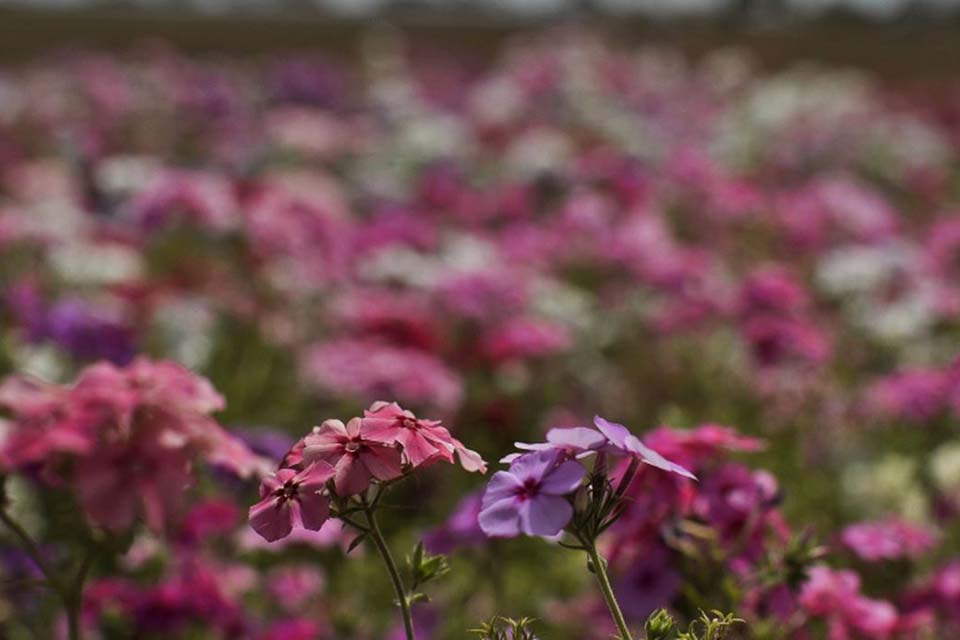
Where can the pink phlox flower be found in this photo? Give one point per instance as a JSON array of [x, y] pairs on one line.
[[356, 458], [423, 441], [835, 595], [889, 539], [291, 500]]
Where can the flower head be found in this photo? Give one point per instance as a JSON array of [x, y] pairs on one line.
[[530, 497], [422, 441], [622, 441], [292, 500], [356, 458]]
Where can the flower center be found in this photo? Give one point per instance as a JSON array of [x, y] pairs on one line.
[[409, 423], [289, 490], [352, 447], [529, 490]]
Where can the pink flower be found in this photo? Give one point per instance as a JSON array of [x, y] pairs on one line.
[[835, 595], [522, 338], [209, 519], [915, 394], [369, 368], [776, 341], [331, 534], [295, 629], [294, 586], [772, 289], [292, 500], [120, 481], [888, 540], [423, 441], [132, 432], [42, 426], [356, 458]]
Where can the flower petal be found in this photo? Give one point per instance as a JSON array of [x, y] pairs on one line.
[[500, 519], [271, 519], [383, 462], [418, 449], [654, 459], [535, 465], [352, 476], [314, 510], [544, 515], [563, 480], [577, 438], [314, 477], [615, 433], [503, 484]]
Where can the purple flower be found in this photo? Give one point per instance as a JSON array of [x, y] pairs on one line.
[[575, 442], [82, 329], [651, 582], [530, 498], [621, 440], [460, 529]]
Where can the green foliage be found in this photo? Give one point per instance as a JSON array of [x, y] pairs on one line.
[[713, 626], [660, 625], [501, 628], [424, 567]]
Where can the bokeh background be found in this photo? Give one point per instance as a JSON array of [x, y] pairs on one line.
[[511, 216]]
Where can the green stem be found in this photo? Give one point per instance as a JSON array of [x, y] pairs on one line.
[[600, 569], [30, 548], [398, 587], [71, 594]]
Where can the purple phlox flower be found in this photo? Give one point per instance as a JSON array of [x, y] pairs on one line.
[[574, 442], [530, 497], [622, 441]]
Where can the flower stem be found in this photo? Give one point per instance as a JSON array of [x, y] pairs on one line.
[[600, 569], [70, 594], [384, 550]]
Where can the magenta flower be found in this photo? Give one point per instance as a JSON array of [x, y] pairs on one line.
[[356, 458], [835, 596], [530, 497], [622, 441], [890, 539], [292, 500]]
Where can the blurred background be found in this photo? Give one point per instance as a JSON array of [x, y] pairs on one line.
[[908, 38], [510, 215]]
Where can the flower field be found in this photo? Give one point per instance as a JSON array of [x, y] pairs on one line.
[[577, 342]]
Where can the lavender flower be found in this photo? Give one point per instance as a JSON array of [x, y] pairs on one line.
[[530, 497]]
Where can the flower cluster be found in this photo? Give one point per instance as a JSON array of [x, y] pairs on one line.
[[530, 497], [124, 438], [387, 443]]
